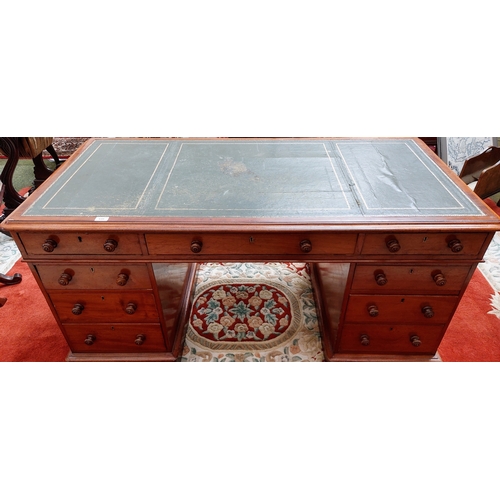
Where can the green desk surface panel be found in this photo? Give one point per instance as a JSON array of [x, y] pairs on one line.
[[313, 179]]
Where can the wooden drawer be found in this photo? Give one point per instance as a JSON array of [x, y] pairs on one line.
[[87, 276], [419, 279], [283, 244], [117, 338], [105, 307], [423, 244], [81, 244], [391, 339], [400, 309]]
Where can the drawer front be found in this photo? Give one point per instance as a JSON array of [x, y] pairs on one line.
[[419, 279], [115, 338], [252, 244], [426, 309], [81, 244], [384, 339], [85, 276], [423, 244], [104, 307]]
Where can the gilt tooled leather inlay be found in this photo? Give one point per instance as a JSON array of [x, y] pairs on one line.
[[258, 178]]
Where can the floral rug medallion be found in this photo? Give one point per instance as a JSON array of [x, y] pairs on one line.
[[242, 312], [253, 312]]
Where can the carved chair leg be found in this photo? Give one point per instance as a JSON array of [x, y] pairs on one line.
[[53, 153], [40, 170], [11, 280], [11, 197]]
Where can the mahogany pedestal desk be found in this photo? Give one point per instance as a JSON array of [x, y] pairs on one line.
[[392, 237]]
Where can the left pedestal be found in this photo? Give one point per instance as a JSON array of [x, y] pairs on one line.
[[119, 309]]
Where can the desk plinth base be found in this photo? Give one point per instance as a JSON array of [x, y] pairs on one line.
[[132, 357], [382, 358]]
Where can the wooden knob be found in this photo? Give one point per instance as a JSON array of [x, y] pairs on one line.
[[139, 340], [373, 310], [122, 279], [90, 339], [427, 311], [455, 245], [196, 246], [415, 340], [439, 278], [364, 339], [393, 245], [77, 309], [380, 278], [49, 245], [306, 246], [131, 308], [110, 245], [64, 279]]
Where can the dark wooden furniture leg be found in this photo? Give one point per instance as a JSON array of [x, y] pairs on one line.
[[50, 149], [11, 280], [11, 197], [42, 173], [12, 147]]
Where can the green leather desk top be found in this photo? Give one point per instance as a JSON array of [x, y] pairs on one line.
[[252, 178]]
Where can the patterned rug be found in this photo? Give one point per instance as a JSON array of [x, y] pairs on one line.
[[491, 265], [9, 253], [66, 146], [253, 312]]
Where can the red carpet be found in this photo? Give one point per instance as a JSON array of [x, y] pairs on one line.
[[473, 335], [28, 332]]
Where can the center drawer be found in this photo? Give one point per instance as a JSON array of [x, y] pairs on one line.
[[283, 244], [400, 308], [105, 307]]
